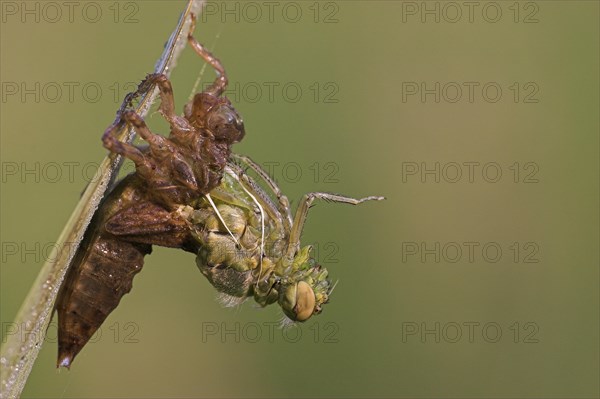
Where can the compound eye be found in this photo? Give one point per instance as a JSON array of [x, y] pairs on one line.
[[226, 124], [297, 301], [305, 301]]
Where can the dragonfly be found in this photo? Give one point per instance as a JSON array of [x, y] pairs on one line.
[[253, 248], [190, 191]]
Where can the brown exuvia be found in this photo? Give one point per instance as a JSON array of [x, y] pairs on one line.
[[141, 210]]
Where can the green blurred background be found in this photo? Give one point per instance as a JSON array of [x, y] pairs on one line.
[[372, 339]]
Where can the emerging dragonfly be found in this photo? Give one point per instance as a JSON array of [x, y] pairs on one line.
[[253, 248], [246, 243], [141, 210]]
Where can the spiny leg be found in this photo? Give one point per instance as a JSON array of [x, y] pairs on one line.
[[156, 141], [126, 150], [302, 213], [220, 84], [257, 193], [167, 103], [284, 203]]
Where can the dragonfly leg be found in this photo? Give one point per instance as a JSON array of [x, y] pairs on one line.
[[167, 103], [143, 161], [220, 83], [127, 150], [156, 141], [302, 213], [257, 193], [284, 203]]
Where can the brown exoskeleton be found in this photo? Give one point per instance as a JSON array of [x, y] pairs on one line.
[[141, 210]]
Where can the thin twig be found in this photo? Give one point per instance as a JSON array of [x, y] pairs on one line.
[[17, 355]]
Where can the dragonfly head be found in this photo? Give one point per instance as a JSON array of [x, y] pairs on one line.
[[304, 289], [297, 301]]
